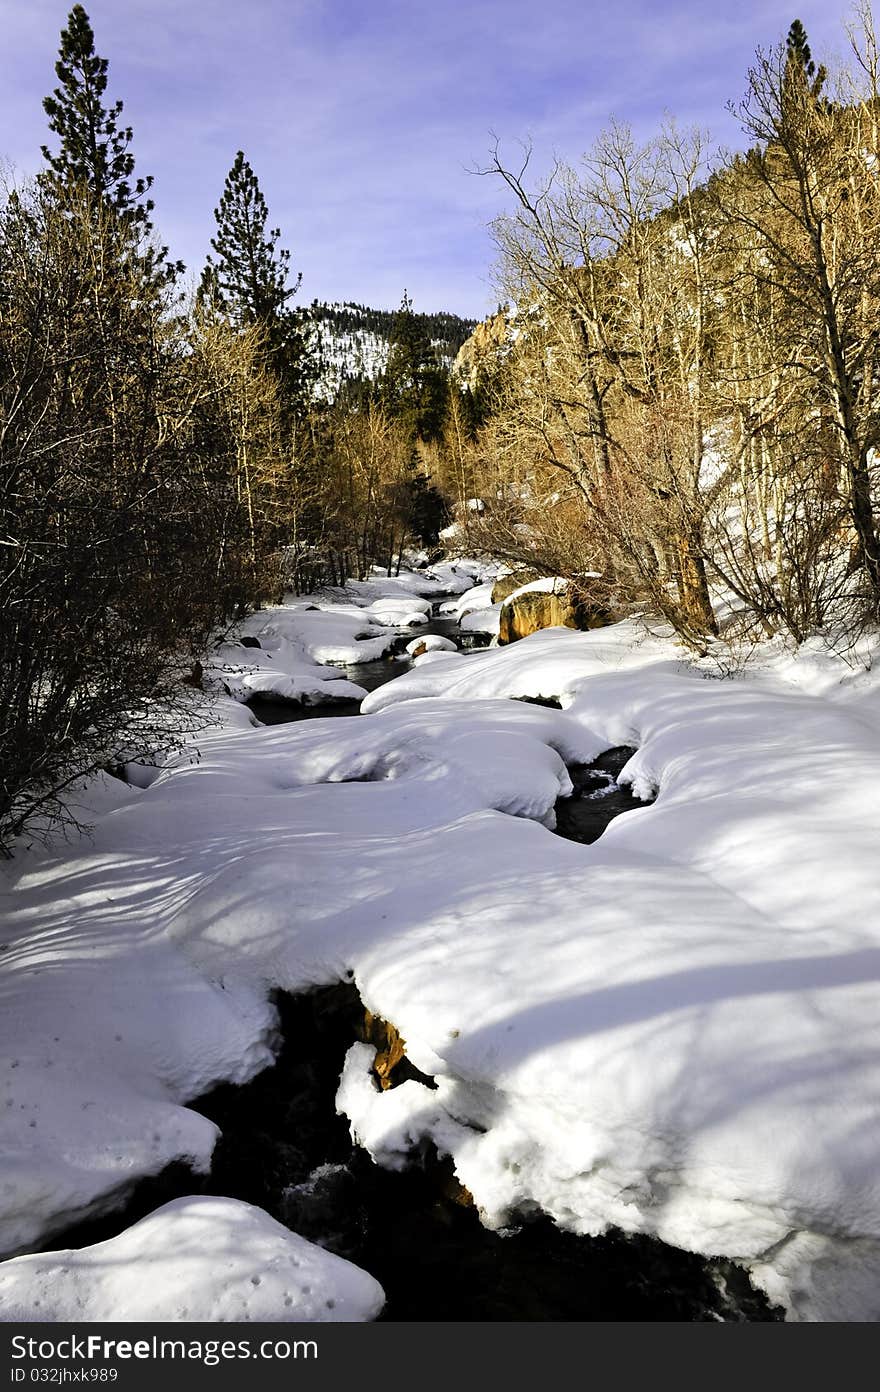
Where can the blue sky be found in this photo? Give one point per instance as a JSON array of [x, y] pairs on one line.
[[361, 118]]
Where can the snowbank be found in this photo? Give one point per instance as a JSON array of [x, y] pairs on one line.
[[196, 1259], [434, 655], [431, 582], [553, 665], [136, 973]]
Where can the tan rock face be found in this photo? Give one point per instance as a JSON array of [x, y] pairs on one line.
[[508, 583], [537, 609], [390, 1048], [482, 348]]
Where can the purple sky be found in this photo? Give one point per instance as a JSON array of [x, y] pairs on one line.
[[362, 117]]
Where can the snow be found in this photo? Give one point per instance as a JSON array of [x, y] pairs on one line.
[[402, 618], [207, 1259], [431, 582], [675, 1030], [486, 620], [346, 355], [301, 690], [358, 352], [301, 639], [553, 665], [407, 611], [548, 584], [475, 598], [390, 1124], [473, 755], [281, 667], [407, 604], [336, 634], [434, 655]]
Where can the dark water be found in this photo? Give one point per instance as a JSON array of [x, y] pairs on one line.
[[271, 712], [597, 799]]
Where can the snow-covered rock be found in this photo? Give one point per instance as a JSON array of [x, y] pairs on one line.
[[476, 598], [280, 667], [406, 604], [401, 618], [482, 620], [345, 635], [195, 1259], [431, 642]]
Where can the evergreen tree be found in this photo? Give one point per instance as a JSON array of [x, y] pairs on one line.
[[425, 507], [798, 49], [414, 386], [248, 276], [94, 151], [799, 60]]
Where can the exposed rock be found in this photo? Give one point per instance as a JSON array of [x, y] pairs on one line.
[[391, 1065], [389, 1046], [452, 1189], [537, 609], [486, 347], [506, 584]]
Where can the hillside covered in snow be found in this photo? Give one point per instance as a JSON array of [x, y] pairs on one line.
[[351, 342]]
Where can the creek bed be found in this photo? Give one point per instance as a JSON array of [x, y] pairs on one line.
[[284, 1148]]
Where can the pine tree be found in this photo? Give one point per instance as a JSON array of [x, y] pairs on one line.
[[799, 60], [414, 386], [798, 48], [94, 151], [248, 277]]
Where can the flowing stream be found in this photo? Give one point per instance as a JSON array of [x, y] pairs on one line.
[[369, 675]]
